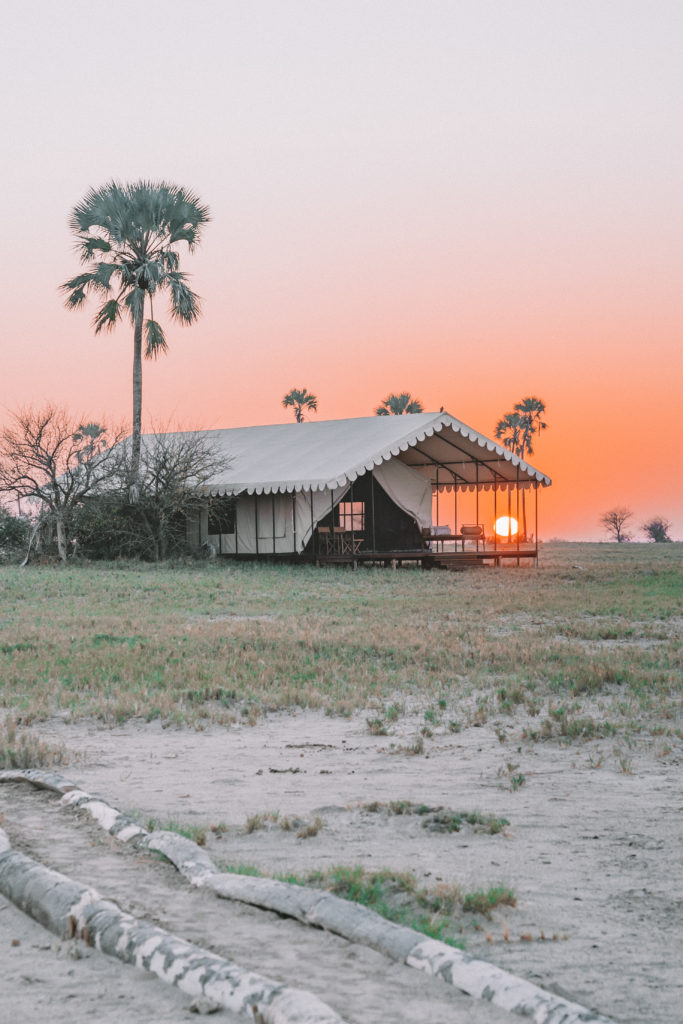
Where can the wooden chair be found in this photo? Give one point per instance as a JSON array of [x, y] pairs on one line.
[[325, 541]]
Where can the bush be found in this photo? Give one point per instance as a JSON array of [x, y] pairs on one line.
[[14, 534], [657, 529], [109, 527]]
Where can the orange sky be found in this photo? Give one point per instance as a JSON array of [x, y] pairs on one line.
[[466, 201]]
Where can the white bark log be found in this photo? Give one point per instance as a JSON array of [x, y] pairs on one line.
[[351, 921], [69, 909]]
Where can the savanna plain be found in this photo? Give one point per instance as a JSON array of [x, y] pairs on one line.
[[491, 756]]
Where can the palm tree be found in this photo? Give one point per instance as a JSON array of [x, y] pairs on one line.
[[509, 431], [398, 405], [516, 430], [530, 410], [300, 399], [127, 236]]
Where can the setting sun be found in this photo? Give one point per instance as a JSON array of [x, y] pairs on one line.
[[506, 526]]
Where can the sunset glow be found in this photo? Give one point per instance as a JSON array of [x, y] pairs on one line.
[[506, 526], [472, 202]]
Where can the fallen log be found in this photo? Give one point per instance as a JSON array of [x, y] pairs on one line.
[[352, 921], [71, 910]]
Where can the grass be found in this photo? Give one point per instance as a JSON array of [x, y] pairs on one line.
[[595, 625], [303, 828], [196, 833], [439, 912], [440, 819], [20, 748]]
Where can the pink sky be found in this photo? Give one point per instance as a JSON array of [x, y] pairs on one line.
[[472, 201]]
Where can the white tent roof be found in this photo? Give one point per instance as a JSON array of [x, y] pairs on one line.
[[332, 453]]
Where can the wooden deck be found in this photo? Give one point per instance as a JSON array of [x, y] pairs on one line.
[[453, 560]]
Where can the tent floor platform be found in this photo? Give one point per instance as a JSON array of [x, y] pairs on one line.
[[435, 559], [453, 560]]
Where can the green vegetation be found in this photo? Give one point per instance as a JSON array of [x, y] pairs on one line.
[[595, 631], [438, 912], [440, 819], [196, 833], [483, 901]]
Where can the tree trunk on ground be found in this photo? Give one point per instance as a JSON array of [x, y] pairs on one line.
[[321, 909], [73, 911], [134, 482]]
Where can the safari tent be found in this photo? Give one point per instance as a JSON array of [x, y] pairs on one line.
[[418, 487]]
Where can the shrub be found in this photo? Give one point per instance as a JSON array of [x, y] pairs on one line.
[[14, 534], [657, 529]]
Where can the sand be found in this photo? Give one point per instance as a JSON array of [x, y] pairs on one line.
[[592, 851]]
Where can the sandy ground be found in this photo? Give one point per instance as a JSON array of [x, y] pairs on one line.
[[593, 853]]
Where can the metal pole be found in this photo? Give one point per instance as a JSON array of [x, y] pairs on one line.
[[517, 497], [510, 515], [536, 520], [313, 546], [294, 519], [353, 532], [256, 519], [272, 508], [476, 506], [372, 508], [495, 515], [437, 495], [455, 510], [235, 515]]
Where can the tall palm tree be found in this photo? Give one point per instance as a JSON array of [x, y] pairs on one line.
[[127, 237], [300, 399], [509, 431], [530, 410], [516, 430], [398, 405]]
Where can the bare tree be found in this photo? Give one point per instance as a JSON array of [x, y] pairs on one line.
[[56, 462], [615, 521], [174, 469], [657, 529]]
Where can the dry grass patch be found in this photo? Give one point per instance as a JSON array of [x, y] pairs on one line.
[[20, 748], [112, 642]]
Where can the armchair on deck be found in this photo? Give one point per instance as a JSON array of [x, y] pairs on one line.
[[473, 532]]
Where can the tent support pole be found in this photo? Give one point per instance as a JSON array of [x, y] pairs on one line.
[[437, 495], [495, 517], [256, 519], [536, 522], [372, 508], [294, 519], [272, 509], [313, 545], [235, 500], [517, 499], [353, 533], [476, 505]]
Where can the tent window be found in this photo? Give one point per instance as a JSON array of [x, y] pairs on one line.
[[352, 515], [221, 516]]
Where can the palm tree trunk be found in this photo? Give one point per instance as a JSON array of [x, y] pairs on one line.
[[134, 481]]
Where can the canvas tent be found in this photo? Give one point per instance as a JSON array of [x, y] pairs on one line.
[[285, 480]]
